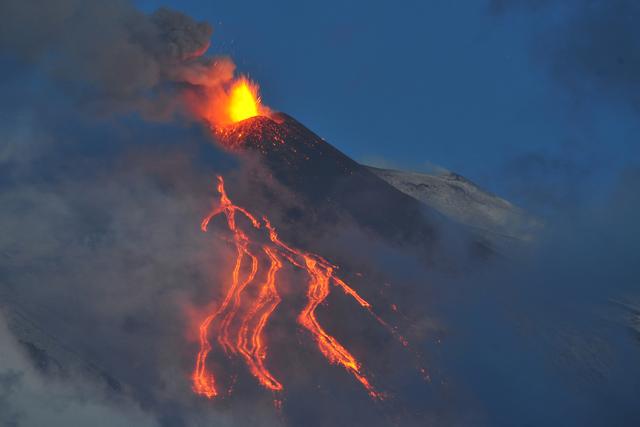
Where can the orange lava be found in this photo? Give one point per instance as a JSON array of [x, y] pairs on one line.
[[254, 349], [230, 102], [244, 101], [248, 340]]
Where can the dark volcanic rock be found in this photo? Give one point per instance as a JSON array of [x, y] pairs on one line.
[[327, 181]]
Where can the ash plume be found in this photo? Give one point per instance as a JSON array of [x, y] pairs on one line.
[[110, 56]]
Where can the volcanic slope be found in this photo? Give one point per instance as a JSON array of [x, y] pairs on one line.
[[327, 182], [492, 217]]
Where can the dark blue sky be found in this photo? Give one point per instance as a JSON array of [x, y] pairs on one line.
[[412, 82]]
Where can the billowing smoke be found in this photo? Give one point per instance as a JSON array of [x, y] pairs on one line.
[[58, 402], [111, 57]]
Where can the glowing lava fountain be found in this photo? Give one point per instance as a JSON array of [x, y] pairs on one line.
[[231, 102], [244, 101], [247, 340]]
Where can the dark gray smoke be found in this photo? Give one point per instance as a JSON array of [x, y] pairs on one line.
[[109, 55], [29, 399]]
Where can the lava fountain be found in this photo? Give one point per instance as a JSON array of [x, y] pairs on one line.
[[231, 102], [244, 101]]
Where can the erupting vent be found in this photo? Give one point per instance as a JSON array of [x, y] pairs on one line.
[[244, 101], [221, 104]]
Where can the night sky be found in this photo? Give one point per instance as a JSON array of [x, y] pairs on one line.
[[486, 90]]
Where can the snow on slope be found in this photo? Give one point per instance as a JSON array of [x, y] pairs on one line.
[[461, 200]]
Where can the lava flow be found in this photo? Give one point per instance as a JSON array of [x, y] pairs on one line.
[[247, 340]]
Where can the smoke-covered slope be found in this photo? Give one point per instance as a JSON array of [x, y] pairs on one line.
[[329, 184], [463, 201]]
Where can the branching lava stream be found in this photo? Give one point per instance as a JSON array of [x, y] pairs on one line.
[[248, 341]]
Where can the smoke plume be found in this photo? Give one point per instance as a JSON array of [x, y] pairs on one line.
[[111, 57]]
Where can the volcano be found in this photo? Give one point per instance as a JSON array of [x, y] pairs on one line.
[[328, 183], [281, 333], [308, 348], [326, 186]]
